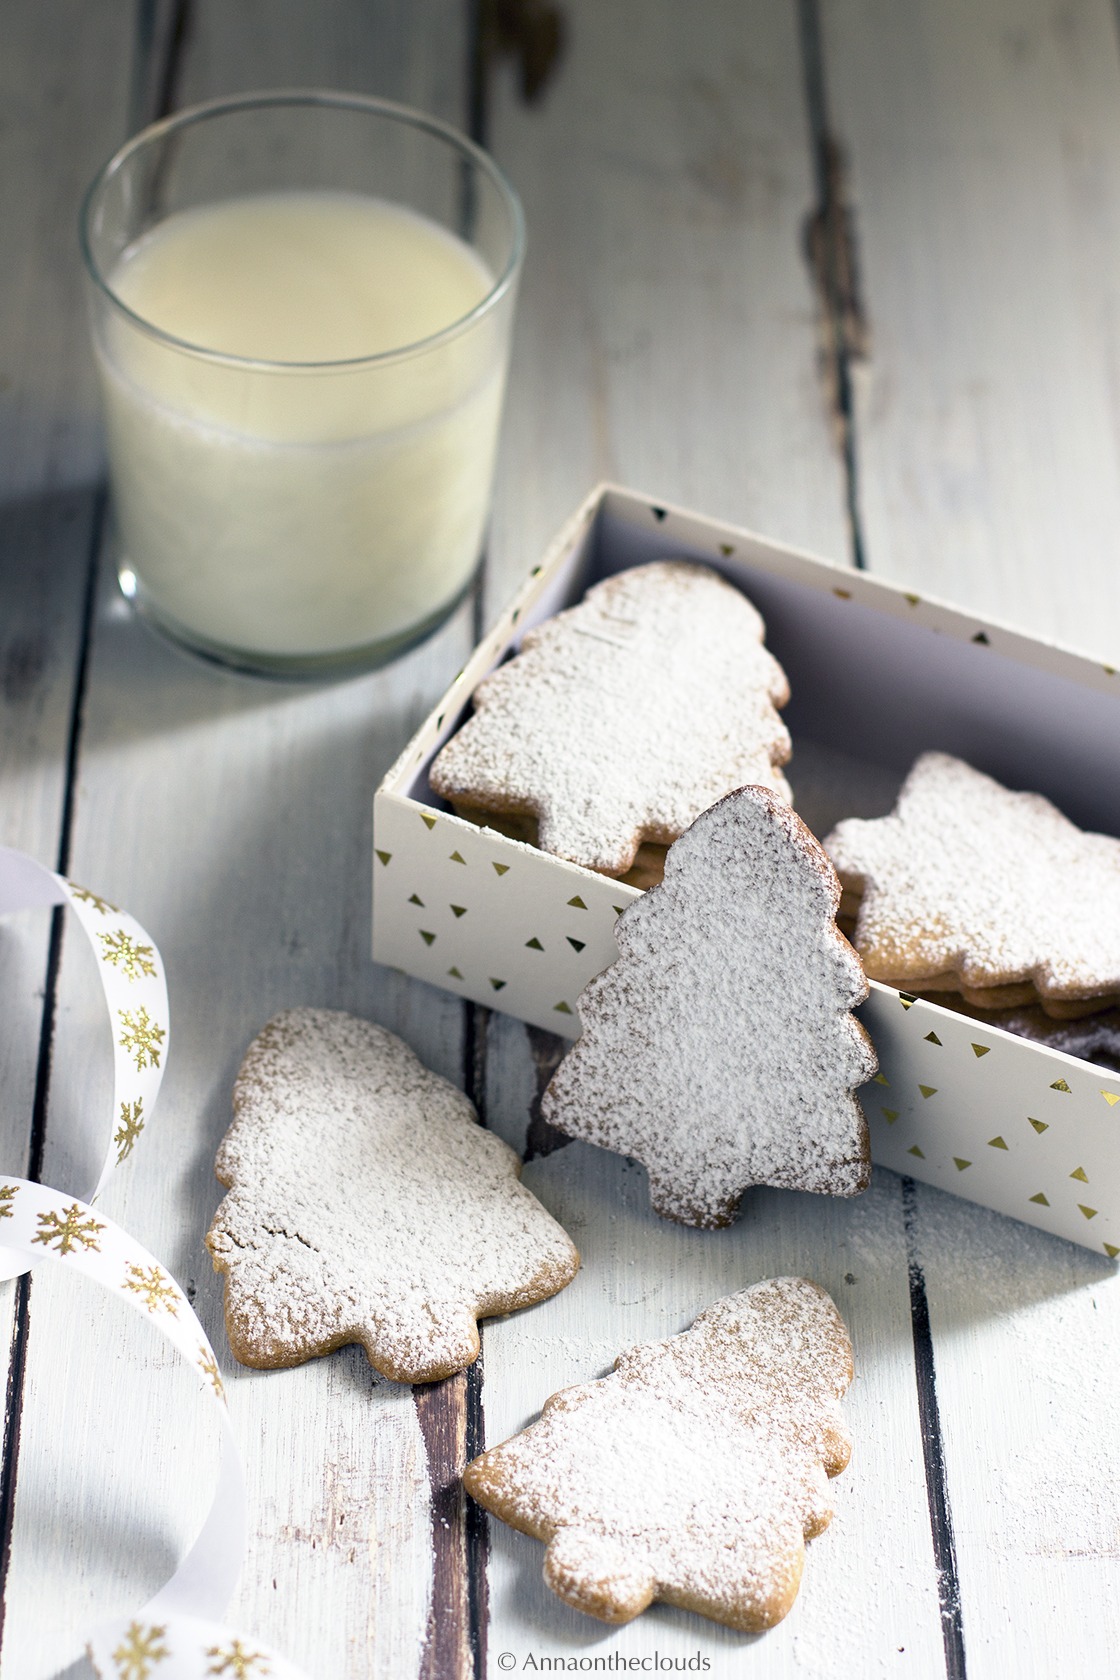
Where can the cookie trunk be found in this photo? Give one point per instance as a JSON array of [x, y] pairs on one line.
[[594, 1574]]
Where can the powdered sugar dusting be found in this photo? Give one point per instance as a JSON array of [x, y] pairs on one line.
[[967, 882], [367, 1205], [696, 1470], [720, 1049], [625, 717]]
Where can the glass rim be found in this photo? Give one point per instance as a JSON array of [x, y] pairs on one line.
[[388, 108]]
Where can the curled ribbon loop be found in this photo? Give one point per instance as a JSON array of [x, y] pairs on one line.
[[131, 973], [177, 1635]]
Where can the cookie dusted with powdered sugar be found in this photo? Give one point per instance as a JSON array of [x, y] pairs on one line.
[[694, 1473], [967, 887], [720, 1049], [623, 718], [366, 1204]]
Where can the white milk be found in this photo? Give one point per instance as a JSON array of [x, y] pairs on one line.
[[301, 510]]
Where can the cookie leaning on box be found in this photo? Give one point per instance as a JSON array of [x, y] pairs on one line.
[[719, 1049], [696, 1471], [967, 887], [366, 1204], [622, 719]]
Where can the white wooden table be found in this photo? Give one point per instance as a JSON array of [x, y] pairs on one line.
[[950, 417]]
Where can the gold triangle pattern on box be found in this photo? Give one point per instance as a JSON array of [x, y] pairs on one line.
[[952, 1088], [478, 924]]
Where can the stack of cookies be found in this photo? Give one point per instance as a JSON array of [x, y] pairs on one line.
[[971, 894]]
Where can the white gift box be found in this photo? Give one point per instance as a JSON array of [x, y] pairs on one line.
[[877, 675]]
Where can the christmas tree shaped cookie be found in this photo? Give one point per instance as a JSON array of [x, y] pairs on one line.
[[696, 1471], [624, 718], [720, 1049], [367, 1205], [970, 888]]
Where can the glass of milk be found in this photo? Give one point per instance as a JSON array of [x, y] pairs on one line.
[[301, 307]]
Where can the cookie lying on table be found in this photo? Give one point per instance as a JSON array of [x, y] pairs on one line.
[[366, 1204], [622, 719], [696, 1471], [967, 887], [720, 1049]]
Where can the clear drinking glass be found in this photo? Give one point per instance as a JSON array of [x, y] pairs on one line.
[[308, 493]]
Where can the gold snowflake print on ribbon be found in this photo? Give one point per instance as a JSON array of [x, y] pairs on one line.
[[124, 953], [7, 1191], [160, 1294], [208, 1365], [139, 1651], [132, 1124], [236, 1661], [100, 904], [143, 1036], [67, 1229]]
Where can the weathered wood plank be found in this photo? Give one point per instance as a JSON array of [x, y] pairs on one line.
[[414, 53], [1026, 1334], [60, 121], [668, 338], [59, 125], [984, 148], [667, 335], [234, 819], [983, 145]]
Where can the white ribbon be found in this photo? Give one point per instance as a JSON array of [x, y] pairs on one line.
[[132, 979], [176, 1636]]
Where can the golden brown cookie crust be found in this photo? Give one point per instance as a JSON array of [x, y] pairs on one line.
[[971, 888], [624, 717], [367, 1205], [740, 1414]]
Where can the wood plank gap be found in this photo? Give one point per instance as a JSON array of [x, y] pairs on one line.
[[441, 1409], [475, 1032], [477, 1530], [479, 52], [532, 32], [13, 1411], [21, 1328], [478, 59], [476, 1522], [831, 252], [477, 1525], [163, 29], [452, 1424], [933, 1450], [478, 604], [548, 1051]]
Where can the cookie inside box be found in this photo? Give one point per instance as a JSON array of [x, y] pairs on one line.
[[877, 675]]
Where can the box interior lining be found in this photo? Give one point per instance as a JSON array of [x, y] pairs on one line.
[[848, 666]]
